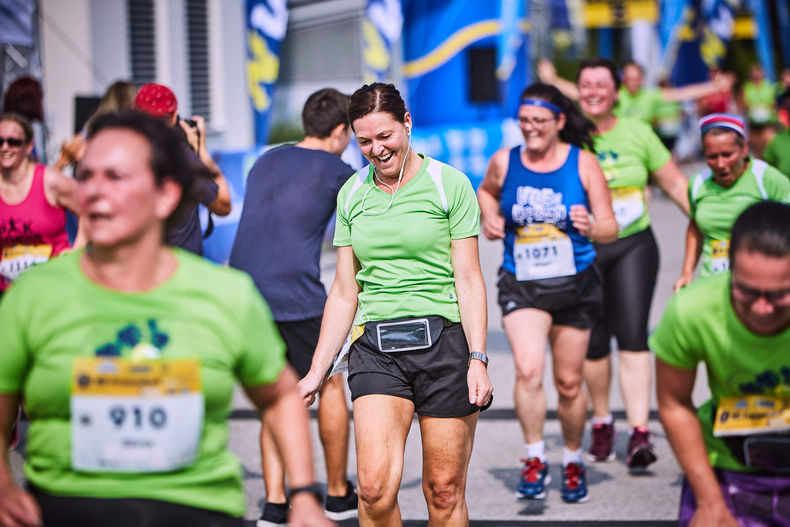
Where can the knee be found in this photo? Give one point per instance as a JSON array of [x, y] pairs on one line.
[[528, 377], [444, 496], [569, 387], [374, 495]]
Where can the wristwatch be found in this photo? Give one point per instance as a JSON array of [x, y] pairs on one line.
[[313, 489], [482, 357]]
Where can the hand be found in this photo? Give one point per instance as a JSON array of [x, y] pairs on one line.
[[719, 516], [477, 380], [307, 512], [18, 508], [193, 135], [309, 387], [684, 280], [581, 219], [73, 150], [494, 227], [546, 71]]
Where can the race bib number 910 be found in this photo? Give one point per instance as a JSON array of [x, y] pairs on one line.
[[135, 416]]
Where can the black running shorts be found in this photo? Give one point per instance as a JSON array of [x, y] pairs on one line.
[[574, 301], [301, 337], [434, 379]]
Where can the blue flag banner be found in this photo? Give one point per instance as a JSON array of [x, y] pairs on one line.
[[510, 41], [764, 40], [381, 28], [267, 21], [719, 22]]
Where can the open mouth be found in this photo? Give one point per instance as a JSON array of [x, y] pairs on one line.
[[385, 158]]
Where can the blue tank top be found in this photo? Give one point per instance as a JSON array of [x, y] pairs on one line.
[[536, 208]]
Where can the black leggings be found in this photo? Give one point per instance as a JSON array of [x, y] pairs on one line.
[[629, 267], [63, 511]]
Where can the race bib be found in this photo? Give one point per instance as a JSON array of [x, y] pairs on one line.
[[751, 414], [135, 416], [628, 204], [719, 256], [760, 114], [542, 251], [20, 258]]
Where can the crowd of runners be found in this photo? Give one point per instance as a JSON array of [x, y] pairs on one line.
[[123, 351]]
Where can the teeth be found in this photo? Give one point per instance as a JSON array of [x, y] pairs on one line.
[[384, 159]]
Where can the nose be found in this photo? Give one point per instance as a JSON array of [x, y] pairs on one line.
[[762, 307]]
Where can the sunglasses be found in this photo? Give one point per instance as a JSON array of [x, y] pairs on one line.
[[12, 141], [747, 295]]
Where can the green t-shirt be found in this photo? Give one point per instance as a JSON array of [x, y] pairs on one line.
[[404, 252], [668, 118], [641, 106], [760, 100], [715, 208], [778, 152], [54, 314], [628, 153], [700, 325]]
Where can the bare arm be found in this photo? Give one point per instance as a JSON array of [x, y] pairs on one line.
[[488, 194], [17, 507], [71, 152], [690, 259], [341, 305], [282, 406], [472, 304], [604, 226], [676, 410], [548, 75], [674, 184], [61, 191], [722, 82]]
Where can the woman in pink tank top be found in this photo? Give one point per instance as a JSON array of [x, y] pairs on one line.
[[33, 199]]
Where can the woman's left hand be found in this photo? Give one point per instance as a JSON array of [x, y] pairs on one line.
[[580, 218], [477, 380]]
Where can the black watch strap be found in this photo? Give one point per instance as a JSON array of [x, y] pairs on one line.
[[313, 489]]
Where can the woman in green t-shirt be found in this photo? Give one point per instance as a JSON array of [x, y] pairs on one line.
[[630, 154], [126, 356], [733, 181], [408, 267]]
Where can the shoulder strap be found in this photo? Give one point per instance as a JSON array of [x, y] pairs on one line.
[[435, 171], [758, 169], [359, 178]]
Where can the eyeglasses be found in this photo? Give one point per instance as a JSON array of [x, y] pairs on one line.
[[536, 122], [747, 295], [12, 141]]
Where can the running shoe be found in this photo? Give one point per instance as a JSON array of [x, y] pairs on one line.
[[339, 508], [534, 478], [574, 483], [602, 447], [274, 515], [640, 449]]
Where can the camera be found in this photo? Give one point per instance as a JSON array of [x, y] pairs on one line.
[[192, 124]]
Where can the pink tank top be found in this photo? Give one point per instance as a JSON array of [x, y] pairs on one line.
[[31, 232]]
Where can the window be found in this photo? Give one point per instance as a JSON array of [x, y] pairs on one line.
[[197, 59], [142, 40]]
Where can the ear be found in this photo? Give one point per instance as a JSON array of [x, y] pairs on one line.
[[168, 196], [407, 121], [561, 120]]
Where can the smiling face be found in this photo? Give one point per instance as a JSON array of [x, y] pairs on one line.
[[384, 141], [725, 156], [597, 92], [13, 156], [753, 275], [539, 126], [119, 198]]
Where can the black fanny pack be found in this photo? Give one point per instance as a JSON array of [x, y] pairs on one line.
[[405, 334], [764, 452]]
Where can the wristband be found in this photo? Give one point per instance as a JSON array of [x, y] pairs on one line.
[[482, 357], [313, 489]]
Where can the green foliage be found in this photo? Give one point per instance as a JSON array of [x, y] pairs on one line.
[[285, 132]]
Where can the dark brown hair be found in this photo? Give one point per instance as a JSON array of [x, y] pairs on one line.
[[323, 111], [600, 62], [376, 97]]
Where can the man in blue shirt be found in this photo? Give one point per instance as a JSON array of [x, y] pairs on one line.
[[290, 198]]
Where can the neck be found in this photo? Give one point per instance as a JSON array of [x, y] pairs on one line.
[[131, 268], [604, 123], [327, 144], [548, 156]]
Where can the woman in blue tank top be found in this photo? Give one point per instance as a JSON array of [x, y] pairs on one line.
[[538, 198]]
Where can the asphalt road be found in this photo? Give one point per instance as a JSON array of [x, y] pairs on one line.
[[617, 498]]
